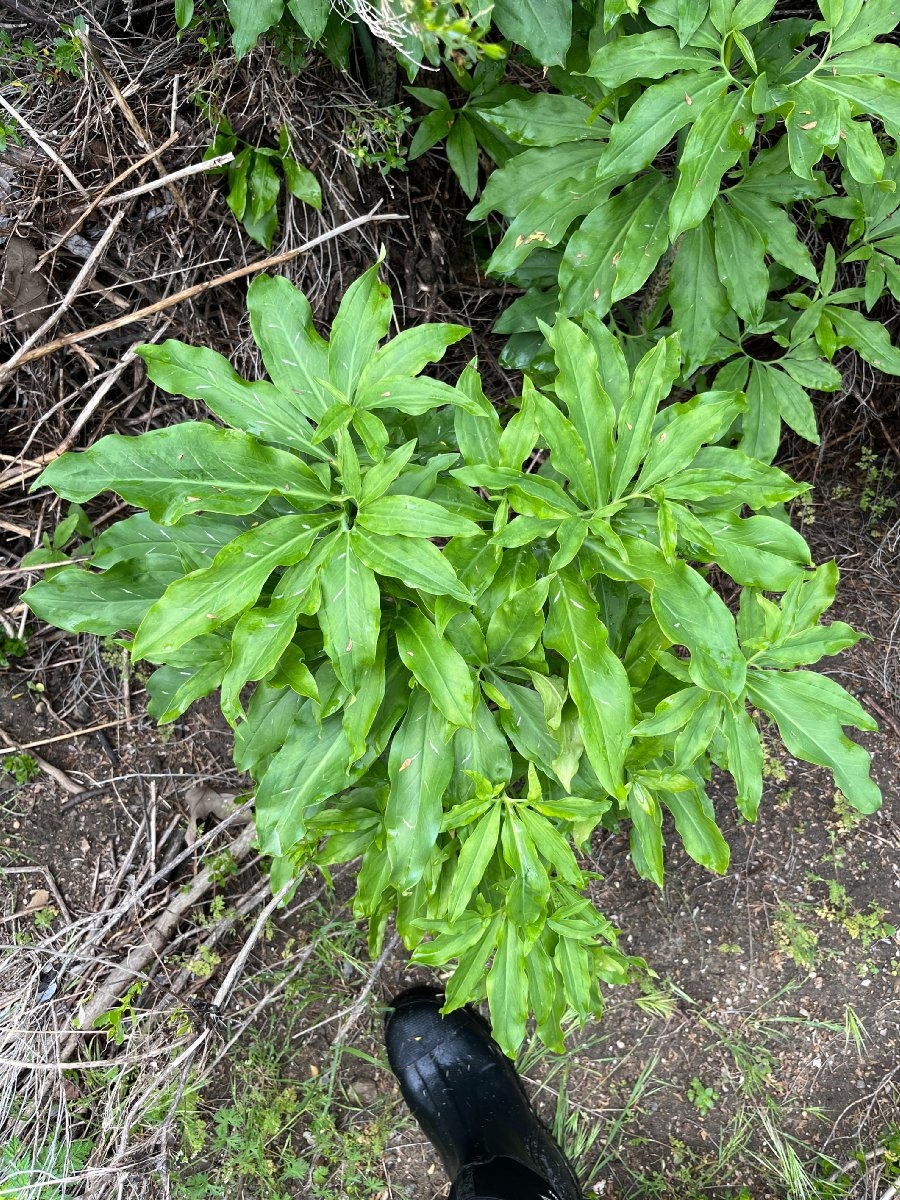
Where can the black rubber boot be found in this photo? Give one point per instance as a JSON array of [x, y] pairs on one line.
[[469, 1101]]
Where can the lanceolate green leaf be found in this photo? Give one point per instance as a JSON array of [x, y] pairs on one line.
[[691, 614], [543, 27], [193, 672], [410, 516], [646, 56], [436, 665], [654, 119], [698, 298], [295, 356], [740, 257], [312, 765], [199, 602], [695, 821], [868, 338], [721, 133], [590, 409], [186, 468], [618, 239], [350, 615], [101, 602], [477, 851], [360, 324], [597, 679], [809, 710], [259, 408], [413, 561], [420, 767], [653, 379]]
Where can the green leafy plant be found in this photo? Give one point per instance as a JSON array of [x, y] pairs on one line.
[[463, 129], [376, 140], [472, 640], [22, 767], [659, 190], [25, 1170], [703, 1098], [254, 182]]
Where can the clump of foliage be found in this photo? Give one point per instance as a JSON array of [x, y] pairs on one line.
[[660, 188], [254, 180], [454, 644]]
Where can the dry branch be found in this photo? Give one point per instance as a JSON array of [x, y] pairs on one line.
[[83, 335]]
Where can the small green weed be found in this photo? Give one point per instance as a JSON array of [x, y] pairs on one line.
[[878, 479], [254, 179], [376, 140], [22, 767], [10, 645], [797, 940], [703, 1098], [62, 56]]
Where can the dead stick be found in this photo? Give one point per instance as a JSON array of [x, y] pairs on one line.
[[79, 221], [73, 788], [47, 149], [194, 169], [156, 939], [75, 733], [81, 279], [83, 335]]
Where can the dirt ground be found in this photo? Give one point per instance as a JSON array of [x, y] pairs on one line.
[[772, 1027]]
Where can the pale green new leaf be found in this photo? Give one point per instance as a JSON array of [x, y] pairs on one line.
[[437, 666], [361, 322], [696, 824], [476, 852], [809, 710], [411, 516], [653, 379], [590, 409]]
